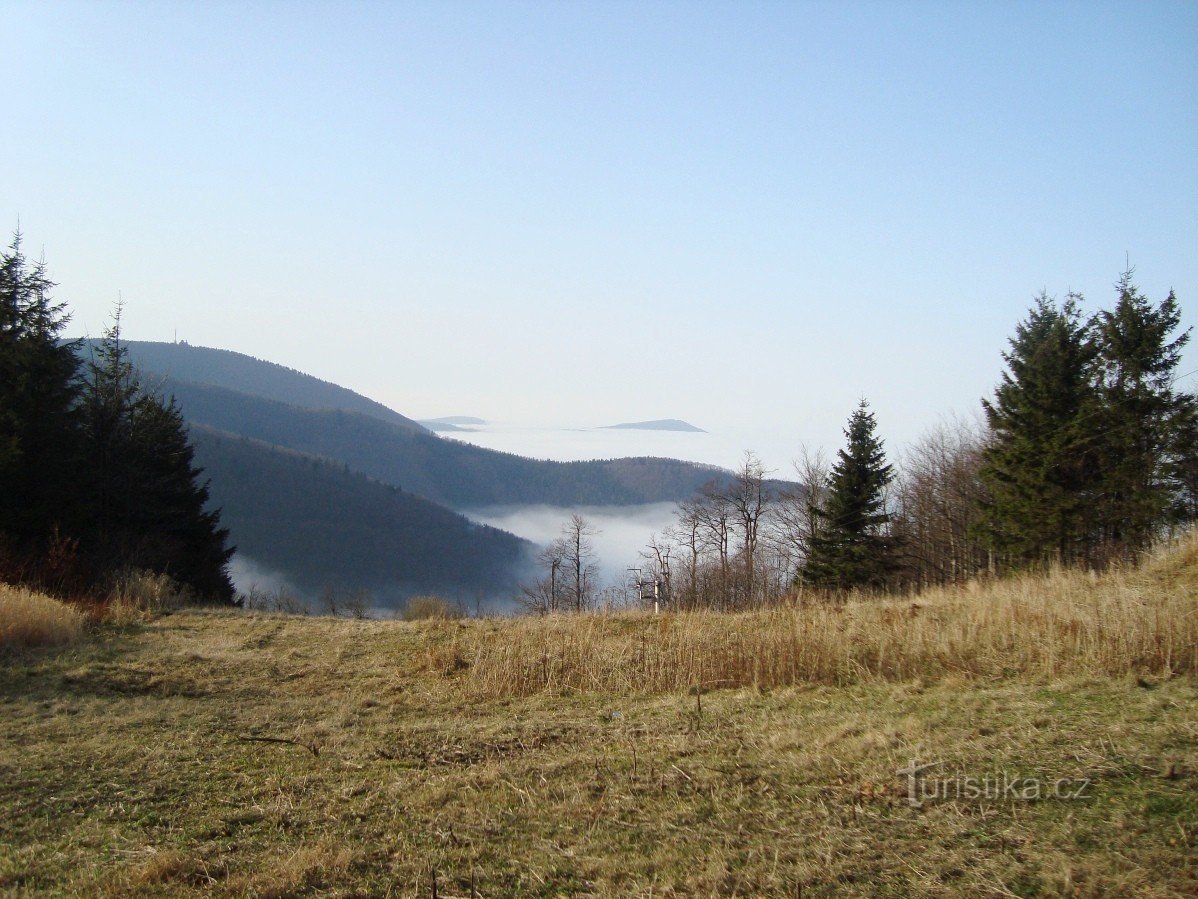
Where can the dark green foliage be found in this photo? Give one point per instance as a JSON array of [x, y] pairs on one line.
[[95, 473], [322, 524], [851, 547], [147, 509], [1147, 442], [38, 394], [1092, 452], [1184, 467], [1041, 466]]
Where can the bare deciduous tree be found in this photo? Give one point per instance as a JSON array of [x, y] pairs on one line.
[[716, 543], [688, 533], [657, 575], [544, 595], [715, 518], [570, 572], [578, 559], [795, 520], [747, 498], [938, 500]]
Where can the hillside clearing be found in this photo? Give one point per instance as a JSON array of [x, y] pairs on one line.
[[218, 753]]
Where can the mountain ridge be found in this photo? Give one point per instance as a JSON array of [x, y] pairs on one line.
[[241, 372], [450, 472], [320, 483]]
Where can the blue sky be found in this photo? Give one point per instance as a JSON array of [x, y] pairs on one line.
[[744, 215]]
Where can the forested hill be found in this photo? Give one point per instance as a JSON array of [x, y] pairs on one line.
[[328, 488], [236, 371], [446, 471], [321, 525]]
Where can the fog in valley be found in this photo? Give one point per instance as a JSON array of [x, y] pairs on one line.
[[723, 447], [248, 574], [621, 531]]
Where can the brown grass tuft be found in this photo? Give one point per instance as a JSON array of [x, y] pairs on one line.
[[29, 619], [421, 608], [307, 869], [168, 867]]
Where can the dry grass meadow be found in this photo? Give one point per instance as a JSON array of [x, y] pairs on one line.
[[235, 754]]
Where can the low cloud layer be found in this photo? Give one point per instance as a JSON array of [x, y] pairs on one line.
[[623, 531], [247, 574]]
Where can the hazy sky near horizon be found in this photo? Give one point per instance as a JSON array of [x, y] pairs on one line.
[[745, 215]]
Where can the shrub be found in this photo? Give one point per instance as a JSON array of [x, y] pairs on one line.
[[135, 592], [338, 602], [280, 599], [425, 607]]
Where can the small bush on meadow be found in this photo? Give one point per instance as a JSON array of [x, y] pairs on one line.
[[421, 608], [138, 592]]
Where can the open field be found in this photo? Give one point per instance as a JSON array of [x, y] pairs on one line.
[[220, 753]]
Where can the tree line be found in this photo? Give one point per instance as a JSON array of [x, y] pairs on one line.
[[1085, 455], [96, 472]]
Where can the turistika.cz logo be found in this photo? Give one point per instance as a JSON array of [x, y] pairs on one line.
[[996, 786]]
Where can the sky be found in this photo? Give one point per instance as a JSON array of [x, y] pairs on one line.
[[745, 215]]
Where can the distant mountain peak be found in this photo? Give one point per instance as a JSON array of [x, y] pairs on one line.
[[661, 424]]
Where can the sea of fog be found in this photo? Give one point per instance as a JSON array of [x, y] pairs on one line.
[[623, 532], [725, 448]]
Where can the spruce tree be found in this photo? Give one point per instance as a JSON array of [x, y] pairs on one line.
[[1144, 436], [109, 395], [38, 397], [851, 548], [146, 501], [1041, 466], [181, 537]]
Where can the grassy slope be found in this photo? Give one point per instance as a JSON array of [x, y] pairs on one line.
[[124, 769]]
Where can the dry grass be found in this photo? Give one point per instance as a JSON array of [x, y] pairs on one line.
[[29, 620], [136, 594], [423, 608], [236, 755], [1066, 623]]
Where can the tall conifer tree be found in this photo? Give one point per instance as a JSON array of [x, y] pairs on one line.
[[38, 396], [1145, 445], [852, 548], [147, 503], [1041, 466]]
